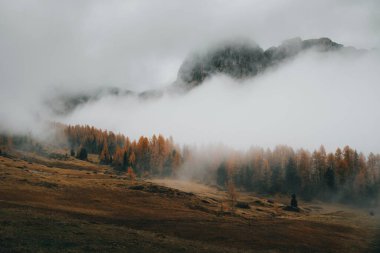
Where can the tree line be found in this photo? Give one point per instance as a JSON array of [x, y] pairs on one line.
[[344, 175], [156, 156]]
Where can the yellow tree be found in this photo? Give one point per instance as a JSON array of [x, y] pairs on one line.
[[104, 156], [154, 155], [304, 169], [176, 162], [118, 157], [142, 154], [131, 174], [132, 159]]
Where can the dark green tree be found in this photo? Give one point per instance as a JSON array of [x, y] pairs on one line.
[[222, 175], [82, 154], [292, 178]]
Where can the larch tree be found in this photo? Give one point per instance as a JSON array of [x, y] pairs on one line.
[[118, 157], [105, 156], [132, 159]]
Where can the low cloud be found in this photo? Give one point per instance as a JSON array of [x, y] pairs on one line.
[[54, 47], [312, 100]]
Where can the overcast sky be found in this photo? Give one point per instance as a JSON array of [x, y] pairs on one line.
[[140, 45]]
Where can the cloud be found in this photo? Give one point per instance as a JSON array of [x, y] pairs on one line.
[[315, 99], [52, 46]]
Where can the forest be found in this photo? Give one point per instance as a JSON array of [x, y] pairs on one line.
[[345, 175], [155, 156]]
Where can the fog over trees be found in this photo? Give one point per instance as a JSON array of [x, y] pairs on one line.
[[345, 175], [189, 126], [236, 75]]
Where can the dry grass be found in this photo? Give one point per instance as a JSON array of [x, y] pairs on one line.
[[76, 206]]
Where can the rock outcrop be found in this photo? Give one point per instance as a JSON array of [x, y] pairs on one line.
[[244, 60]]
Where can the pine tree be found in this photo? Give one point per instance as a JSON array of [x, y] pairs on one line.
[[293, 180], [82, 153]]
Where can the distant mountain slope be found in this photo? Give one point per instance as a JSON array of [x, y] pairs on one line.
[[238, 60], [244, 60], [66, 102]]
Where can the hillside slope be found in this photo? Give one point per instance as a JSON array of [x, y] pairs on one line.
[[69, 205]]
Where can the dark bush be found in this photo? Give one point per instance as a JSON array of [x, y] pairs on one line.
[[243, 205]]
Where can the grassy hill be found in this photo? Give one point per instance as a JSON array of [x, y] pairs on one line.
[[68, 205]]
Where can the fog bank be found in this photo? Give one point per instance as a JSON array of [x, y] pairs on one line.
[[49, 48], [315, 99]]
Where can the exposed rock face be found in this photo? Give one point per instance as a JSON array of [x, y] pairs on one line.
[[237, 60], [242, 60]]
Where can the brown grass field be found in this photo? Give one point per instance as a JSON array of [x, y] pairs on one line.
[[49, 205]]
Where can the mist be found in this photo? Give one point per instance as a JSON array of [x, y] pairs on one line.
[[53, 47], [312, 100]]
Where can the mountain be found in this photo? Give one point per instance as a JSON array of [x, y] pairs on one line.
[[238, 60], [244, 60], [64, 103]]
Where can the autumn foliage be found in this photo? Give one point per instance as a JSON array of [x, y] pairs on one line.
[[146, 156], [345, 175]]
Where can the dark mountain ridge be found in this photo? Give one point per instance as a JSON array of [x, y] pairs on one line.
[[244, 60], [239, 60]]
